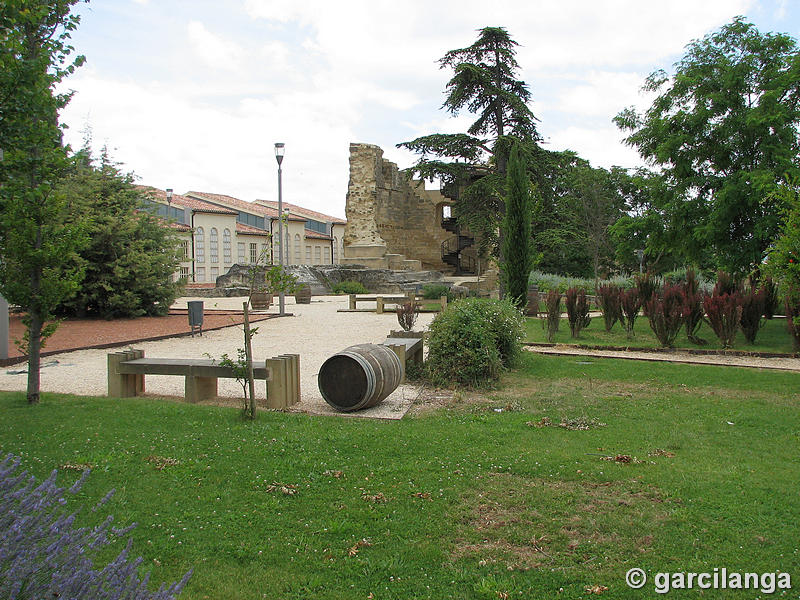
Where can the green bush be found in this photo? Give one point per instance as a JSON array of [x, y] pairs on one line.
[[349, 287], [434, 291], [472, 340]]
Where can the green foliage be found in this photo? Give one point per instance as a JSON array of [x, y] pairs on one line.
[[551, 281], [724, 130], [517, 258], [472, 340], [241, 373], [349, 287], [132, 255], [38, 240], [784, 258]]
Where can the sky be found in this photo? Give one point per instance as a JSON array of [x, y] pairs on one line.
[[193, 94]]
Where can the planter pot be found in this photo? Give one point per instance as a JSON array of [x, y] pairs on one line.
[[303, 295], [260, 300]]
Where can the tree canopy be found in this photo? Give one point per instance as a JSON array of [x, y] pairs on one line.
[[724, 130]]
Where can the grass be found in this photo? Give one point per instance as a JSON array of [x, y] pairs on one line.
[[772, 337], [470, 500]]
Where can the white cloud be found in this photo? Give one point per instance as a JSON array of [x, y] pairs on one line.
[[214, 50]]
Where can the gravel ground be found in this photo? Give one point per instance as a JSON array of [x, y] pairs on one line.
[[316, 331]]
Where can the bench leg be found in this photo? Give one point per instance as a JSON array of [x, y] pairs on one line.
[[352, 301], [124, 385], [277, 388], [379, 305], [200, 388], [400, 350]]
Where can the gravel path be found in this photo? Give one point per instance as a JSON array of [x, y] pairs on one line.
[[315, 332]]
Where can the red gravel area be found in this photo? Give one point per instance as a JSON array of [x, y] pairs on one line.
[[77, 334]]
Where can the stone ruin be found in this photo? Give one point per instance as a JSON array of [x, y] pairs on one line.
[[393, 222]]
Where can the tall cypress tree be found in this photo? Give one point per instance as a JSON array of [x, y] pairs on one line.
[[517, 255]]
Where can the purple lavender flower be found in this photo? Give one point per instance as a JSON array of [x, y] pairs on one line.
[[43, 556]]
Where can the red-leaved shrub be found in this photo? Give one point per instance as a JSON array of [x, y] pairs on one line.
[[610, 302], [753, 302], [724, 312], [552, 302], [693, 307], [630, 303], [665, 314], [577, 310]]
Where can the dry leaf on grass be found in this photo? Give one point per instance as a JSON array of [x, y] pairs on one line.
[[334, 474], [76, 466], [287, 489], [596, 589], [423, 495], [161, 462], [378, 498], [661, 452], [362, 543]]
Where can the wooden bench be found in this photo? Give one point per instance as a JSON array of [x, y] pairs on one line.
[[126, 371], [381, 301], [408, 349]]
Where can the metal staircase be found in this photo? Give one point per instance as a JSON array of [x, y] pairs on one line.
[[452, 247]]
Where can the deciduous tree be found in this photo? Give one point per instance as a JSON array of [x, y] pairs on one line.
[[38, 241], [724, 131]]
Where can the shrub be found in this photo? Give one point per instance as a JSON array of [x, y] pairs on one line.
[[724, 312], [792, 307], [552, 303], [630, 303], [472, 340], [349, 287], [752, 313], [771, 303], [434, 291], [726, 284], [42, 554], [407, 314], [692, 307], [647, 285], [610, 302], [665, 314], [577, 310]]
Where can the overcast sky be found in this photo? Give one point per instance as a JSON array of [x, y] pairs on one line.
[[193, 94]]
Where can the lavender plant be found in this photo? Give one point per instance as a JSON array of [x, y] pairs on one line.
[[42, 554]]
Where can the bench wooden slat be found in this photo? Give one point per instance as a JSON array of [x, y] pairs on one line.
[[186, 366]]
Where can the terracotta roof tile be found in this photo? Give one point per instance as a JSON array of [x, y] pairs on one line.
[[236, 203], [310, 214], [310, 233], [249, 230], [186, 202]]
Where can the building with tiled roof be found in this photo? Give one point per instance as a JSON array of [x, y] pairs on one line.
[[222, 230]]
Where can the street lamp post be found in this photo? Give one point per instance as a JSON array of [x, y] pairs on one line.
[[279, 151], [640, 256]]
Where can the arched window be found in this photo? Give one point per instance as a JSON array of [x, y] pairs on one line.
[[297, 255], [226, 246], [199, 247], [213, 245]]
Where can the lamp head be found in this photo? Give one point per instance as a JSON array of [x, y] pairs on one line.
[[169, 195], [280, 149]]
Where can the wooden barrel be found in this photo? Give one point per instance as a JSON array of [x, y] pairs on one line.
[[359, 376]]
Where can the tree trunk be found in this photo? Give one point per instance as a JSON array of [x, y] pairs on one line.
[[248, 351], [34, 358]]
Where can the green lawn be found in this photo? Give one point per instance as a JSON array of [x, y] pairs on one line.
[[471, 500], [773, 336]]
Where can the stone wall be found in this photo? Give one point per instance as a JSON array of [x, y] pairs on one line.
[[386, 212]]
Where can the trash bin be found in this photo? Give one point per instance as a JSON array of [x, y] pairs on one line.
[[196, 316]]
